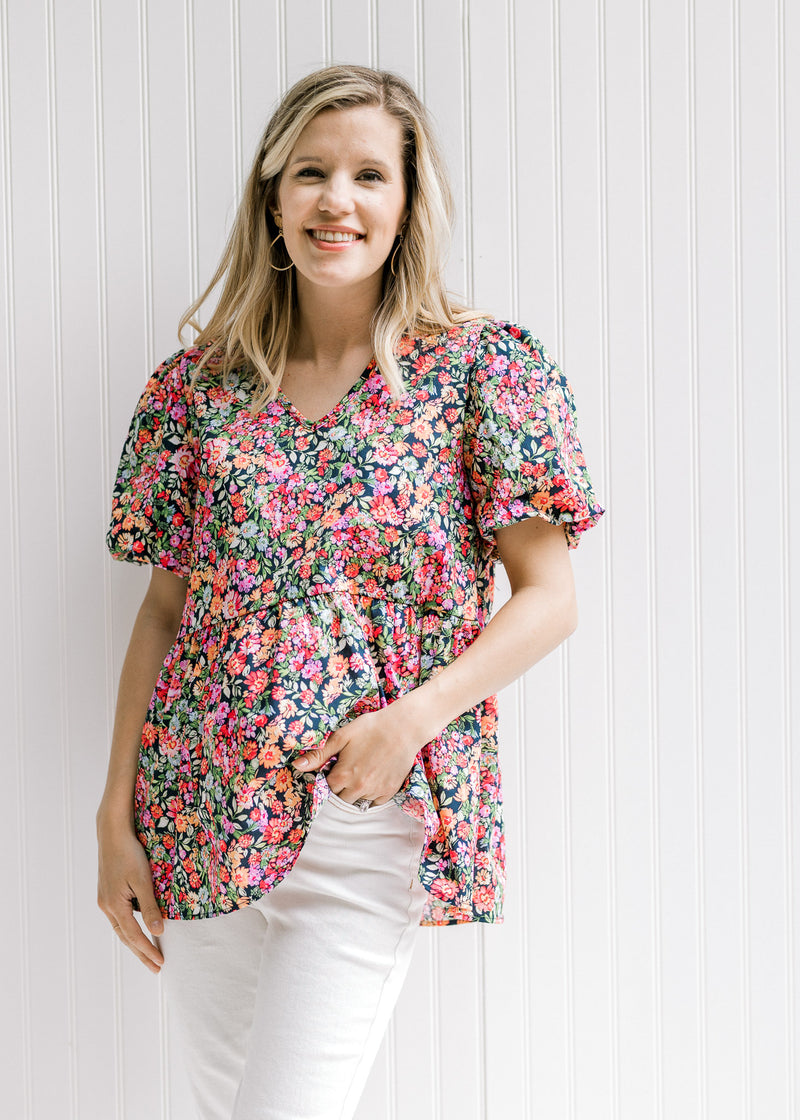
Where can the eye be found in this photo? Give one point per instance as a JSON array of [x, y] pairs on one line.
[[308, 172], [372, 176]]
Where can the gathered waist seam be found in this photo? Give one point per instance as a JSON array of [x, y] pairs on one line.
[[467, 612]]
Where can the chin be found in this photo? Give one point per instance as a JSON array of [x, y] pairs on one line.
[[342, 278]]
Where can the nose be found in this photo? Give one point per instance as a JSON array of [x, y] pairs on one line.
[[336, 196]]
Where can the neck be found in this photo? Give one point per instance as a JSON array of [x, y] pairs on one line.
[[330, 323]]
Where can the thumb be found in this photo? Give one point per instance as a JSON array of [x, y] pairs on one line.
[[313, 759], [150, 911], [154, 923], [153, 920]]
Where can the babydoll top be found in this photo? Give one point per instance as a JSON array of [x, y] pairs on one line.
[[332, 566]]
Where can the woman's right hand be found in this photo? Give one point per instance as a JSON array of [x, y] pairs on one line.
[[124, 870], [124, 874]]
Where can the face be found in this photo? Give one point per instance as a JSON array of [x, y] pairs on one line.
[[342, 198]]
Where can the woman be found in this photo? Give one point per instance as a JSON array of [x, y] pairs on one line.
[[304, 768]]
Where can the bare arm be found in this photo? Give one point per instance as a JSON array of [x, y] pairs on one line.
[[123, 868], [538, 616]]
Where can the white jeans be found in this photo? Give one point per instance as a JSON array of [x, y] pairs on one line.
[[281, 1006]]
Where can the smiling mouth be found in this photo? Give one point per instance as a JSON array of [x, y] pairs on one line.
[[334, 236]]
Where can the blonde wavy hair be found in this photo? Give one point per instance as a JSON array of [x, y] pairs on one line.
[[251, 326]]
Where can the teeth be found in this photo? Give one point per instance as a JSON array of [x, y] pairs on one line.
[[331, 235]]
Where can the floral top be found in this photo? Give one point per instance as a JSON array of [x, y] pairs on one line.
[[333, 566]]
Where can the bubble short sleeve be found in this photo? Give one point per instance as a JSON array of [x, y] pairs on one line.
[[152, 507], [522, 453]]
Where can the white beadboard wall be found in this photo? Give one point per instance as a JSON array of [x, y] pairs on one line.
[[625, 171]]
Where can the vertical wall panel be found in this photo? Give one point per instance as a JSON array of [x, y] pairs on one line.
[[623, 175], [213, 91], [761, 405], [631, 452], [307, 25], [84, 710], [788, 168], [540, 799], [673, 488], [37, 295], [442, 79], [490, 170], [260, 52], [397, 38], [352, 31], [578, 343], [173, 68], [15, 1061], [721, 558], [767, 914]]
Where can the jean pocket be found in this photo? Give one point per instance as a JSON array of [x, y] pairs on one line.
[[340, 803]]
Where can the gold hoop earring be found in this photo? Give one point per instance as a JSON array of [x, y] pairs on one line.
[[394, 253], [279, 268]]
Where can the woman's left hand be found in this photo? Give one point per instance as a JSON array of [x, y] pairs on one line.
[[376, 752]]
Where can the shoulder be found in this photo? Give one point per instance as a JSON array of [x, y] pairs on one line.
[[507, 357], [481, 337], [512, 340], [166, 401], [175, 380], [486, 356], [181, 365], [461, 342]]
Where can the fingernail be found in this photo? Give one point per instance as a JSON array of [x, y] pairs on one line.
[[157, 927], [299, 764]]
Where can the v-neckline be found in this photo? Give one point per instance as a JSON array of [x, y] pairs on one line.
[[355, 387]]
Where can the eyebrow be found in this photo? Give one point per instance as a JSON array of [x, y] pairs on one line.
[[377, 163]]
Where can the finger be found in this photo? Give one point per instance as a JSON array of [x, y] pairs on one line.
[[151, 916], [313, 759], [351, 796], [149, 965], [338, 786], [154, 968], [130, 933], [128, 930], [142, 892]]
